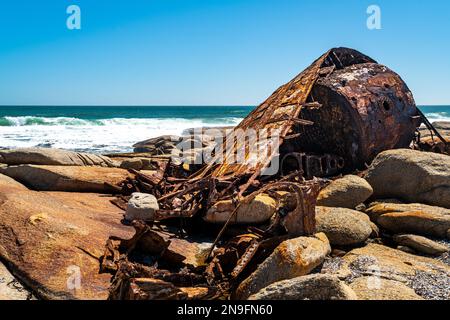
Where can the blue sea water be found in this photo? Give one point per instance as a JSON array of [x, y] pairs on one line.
[[105, 129], [116, 129]]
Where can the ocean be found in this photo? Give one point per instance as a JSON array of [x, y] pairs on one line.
[[116, 129]]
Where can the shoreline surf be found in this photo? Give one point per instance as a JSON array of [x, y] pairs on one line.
[[116, 129]]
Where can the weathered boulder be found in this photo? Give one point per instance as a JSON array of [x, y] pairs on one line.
[[428, 277], [374, 288], [65, 178], [10, 287], [52, 241], [310, 287], [412, 218], [346, 192], [421, 244], [292, 258], [343, 226], [413, 176], [58, 157], [259, 210], [141, 206]]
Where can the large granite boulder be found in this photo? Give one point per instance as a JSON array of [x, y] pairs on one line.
[[413, 176], [65, 178], [58, 157], [292, 258], [52, 241], [346, 192], [343, 226]]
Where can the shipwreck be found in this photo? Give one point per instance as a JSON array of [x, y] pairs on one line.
[[333, 118]]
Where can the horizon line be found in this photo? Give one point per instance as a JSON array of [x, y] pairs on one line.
[[155, 105]]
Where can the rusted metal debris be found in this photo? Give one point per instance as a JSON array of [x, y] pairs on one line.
[[435, 142], [332, 118]]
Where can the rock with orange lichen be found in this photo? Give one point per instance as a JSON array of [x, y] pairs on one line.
[[292, 258], [412, 218], [51, 239]]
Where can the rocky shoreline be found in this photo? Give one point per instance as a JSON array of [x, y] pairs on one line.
[[380, 234]]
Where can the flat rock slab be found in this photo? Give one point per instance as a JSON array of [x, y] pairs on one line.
[[421, 244], [412, 218], [65, 178], [49, 156], [52, 242]]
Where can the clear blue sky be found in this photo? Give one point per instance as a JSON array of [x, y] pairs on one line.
[[207, 52]]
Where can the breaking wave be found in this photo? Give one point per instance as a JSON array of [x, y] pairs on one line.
[[66, 121], [438, 116], [98, 136]]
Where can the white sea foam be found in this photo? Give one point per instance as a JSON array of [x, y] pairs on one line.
[[106, 135], [101, 136], [438, 116]]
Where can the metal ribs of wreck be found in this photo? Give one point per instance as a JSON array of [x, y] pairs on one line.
[[334, 117]]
